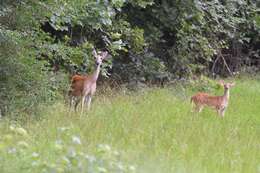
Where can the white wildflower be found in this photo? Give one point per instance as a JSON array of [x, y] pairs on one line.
[[132, 168], [116, 153], [58, 145], [102, 170], [91, 159], [11, 150], [104, 148], [63, 129], [120, 166], [35, 163], [76, 140], [23, 144], [12, 127], [21, 131], [66, 160], [35, 155], [72, 152]]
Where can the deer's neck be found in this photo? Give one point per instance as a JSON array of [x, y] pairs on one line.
[[96, 73], [226, 93]]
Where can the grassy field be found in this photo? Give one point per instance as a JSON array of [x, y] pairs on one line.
[[148, 132]]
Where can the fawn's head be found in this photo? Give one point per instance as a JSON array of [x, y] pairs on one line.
[[227, 85], [100, 56]]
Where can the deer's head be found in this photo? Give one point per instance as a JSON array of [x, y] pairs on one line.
[[99, 56], [227, 85]]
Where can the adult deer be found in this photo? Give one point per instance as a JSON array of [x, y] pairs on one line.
[[83, 87], [219, 103]]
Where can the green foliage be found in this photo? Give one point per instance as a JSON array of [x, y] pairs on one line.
[[24, 81], [186, 36], [189, 35], [70, 156], [205, 84]]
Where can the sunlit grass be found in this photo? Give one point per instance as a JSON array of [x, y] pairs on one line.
[[154, 130]]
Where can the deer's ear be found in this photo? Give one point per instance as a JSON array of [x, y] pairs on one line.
[[221, 82], [104, 55], [94, 53]]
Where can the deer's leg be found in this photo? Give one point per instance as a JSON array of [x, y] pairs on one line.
[[70, 102], [76, 104], [88, 101], [91, 93], [82, 103], [69, 99]]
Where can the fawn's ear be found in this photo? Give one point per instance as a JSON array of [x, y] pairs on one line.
[[232, 84], [104, 55], [221, 82], [94, 53]]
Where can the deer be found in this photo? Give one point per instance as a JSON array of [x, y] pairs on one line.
[[219, 103], [83, 87]]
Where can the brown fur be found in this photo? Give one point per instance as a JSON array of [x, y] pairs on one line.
[[77, 83], [83, 87], [219, 103], [206, 99]]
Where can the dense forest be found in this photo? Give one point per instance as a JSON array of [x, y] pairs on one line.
[[43, 42]]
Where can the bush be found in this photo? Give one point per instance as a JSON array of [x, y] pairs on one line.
[[24, 81], [68, 154]]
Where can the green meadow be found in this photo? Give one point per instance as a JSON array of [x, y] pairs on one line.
[[150, 131]]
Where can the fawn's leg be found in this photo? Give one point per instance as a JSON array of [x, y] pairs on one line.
[[198, 108], [222, 112]]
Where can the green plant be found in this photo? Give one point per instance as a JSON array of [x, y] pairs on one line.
[[153, 130]]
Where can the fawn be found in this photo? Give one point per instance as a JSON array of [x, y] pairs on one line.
[[219, 103], [83, 87]]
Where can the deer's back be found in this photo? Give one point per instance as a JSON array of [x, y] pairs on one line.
[[206, 99], [77, 85]]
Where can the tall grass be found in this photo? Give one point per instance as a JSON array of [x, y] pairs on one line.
[[154, 130]]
